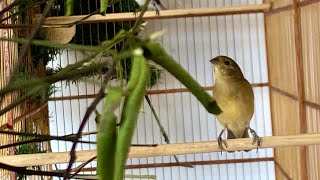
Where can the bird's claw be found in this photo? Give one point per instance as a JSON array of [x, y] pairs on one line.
[[135, 13], [157, 12], [256, 138], [220, 142]]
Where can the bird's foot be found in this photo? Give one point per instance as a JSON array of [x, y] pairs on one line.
[[135, 13], [221, 141], [157, 9], [256, 138], [157, 12]]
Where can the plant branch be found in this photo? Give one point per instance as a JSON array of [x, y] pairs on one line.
[[163, 131], [156, 53], [90, 109]]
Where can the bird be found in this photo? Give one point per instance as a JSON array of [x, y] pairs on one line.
[[154, 5], [234, 95]]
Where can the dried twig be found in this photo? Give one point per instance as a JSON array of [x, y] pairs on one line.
[[78, 169], [163, 131], [22, 170], [90, 109], [40, 138]]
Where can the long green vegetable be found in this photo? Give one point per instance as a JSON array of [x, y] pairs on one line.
[[107, 135], [137, 84]]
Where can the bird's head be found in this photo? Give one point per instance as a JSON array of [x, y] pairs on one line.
[[226, 68]]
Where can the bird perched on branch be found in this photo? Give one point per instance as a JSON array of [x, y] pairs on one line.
[[154, 5], [234, 95]]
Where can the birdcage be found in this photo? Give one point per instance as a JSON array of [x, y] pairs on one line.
[[275, 43]]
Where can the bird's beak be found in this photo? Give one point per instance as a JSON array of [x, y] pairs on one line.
[[215, 60]]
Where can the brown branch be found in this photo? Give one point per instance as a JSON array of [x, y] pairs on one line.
[[25, 171], [37, 138], [79, 168], [90, 109]]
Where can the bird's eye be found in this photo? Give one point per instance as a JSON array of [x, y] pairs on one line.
[[227, 63]]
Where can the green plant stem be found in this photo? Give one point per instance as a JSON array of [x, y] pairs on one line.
[[137, 84], [69, 7], [139, 20], [156, 53], [107, 135]]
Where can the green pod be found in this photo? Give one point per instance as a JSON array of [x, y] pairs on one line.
[[69, 7], [106, 143], [137, 84], [107, 135], [156, 53], [103, 7]]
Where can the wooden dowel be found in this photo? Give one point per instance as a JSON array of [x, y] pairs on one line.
[[166, 150], [164, 14], [193, 163]]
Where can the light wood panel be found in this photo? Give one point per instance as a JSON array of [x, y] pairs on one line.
[[285, 122], [313, 153], [281, 51], [310, 30]]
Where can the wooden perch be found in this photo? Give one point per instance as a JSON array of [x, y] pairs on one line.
[[166, 150], [164, 14]]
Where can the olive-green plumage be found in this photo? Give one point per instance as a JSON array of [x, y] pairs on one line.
[[234, 96]]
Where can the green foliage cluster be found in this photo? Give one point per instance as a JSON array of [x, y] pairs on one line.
[[38, 97]]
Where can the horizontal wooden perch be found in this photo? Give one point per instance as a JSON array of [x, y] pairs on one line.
[[164, 14], [166, 150]]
